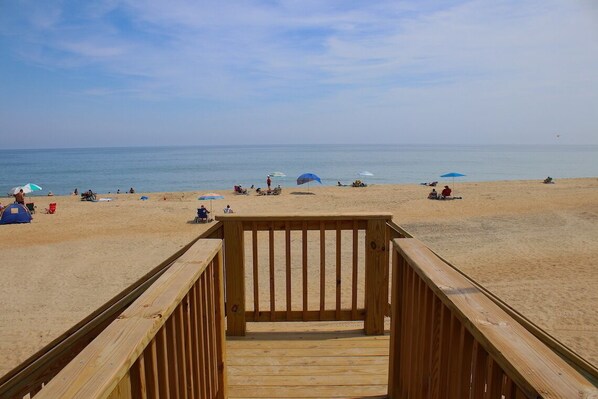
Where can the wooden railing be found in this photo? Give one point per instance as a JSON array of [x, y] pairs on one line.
[[373, 248], [28, 378], [169, 343], [449, 340]]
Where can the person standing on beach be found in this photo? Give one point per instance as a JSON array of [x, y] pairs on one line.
[[20, 197], [268, 182]]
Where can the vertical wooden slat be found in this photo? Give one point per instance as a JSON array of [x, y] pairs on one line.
[[212, 330], [508, 388], [173, 362], [478, 367], [205, 338], [421, 343], [493, 379], [256, 285], [214, 326], [405, 329], [138, 382], [196, 342], [304, 267], [376, 276], [287, 236], [395, 352], [272, 281], [355, 274], [445, 331], [322, 270], [151, 370], [412, 333], [435, 348], [234, 253], [454, 350], [202, 351], [427, 342], [185, 313], [465, 353], [220, 328], [338, 271], [180, 336], [162, 356]]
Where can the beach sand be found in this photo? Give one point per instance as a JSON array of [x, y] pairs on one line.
[[534, 245]]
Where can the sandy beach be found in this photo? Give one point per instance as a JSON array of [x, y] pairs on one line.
[[534, 245]]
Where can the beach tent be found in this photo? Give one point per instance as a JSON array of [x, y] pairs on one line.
[[15, 213]]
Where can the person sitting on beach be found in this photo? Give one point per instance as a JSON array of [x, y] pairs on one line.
[[20, 197], [202, 214], [88, 196], [240, 190], [446, 192], [433, 194], [228, 209], [548, 180], [131, 190]]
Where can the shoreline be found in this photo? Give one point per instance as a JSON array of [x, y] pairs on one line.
[[531, 244], [224, 191]]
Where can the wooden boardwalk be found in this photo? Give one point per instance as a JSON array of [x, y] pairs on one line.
[[307, 360]]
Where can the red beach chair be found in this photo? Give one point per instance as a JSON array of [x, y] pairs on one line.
[[52, 208]]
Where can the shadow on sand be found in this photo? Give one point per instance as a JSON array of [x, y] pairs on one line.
[[302, 193]]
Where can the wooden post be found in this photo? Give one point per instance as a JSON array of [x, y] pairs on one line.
[[234, 258], [376, 276]]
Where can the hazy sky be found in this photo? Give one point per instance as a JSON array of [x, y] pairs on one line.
[[135, 72]]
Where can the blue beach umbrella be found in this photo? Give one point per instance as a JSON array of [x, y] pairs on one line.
[[210, 196], [453, 175], [306, 178]]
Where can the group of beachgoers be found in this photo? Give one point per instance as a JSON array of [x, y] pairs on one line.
[[238, 189], [356, 183], [444, 194]]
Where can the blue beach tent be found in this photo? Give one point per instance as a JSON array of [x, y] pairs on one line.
[[15, 213]]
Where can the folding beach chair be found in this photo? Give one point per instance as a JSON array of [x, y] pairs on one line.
[[31, 207], [52, 208]]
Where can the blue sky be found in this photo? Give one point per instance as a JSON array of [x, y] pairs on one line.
[[135, 72]]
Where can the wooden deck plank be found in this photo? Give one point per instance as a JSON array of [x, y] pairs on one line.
[[311, 361], [325, 391], [308, 369], [296, 361]]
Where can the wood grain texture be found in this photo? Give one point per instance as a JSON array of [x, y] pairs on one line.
[[338, 364], [100, 367], [501, 345], [234, 255]]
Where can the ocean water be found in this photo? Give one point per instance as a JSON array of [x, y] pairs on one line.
[[206, 168]]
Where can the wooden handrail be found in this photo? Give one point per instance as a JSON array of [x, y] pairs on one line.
[[29, 376], [588, 370], [169, 341], [375, 253], [448, 337]]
